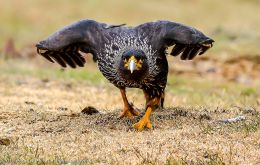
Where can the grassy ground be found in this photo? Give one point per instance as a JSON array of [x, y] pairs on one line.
[[41, 116], [40, 104]]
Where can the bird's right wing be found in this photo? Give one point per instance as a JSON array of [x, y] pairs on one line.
[[64, 45]]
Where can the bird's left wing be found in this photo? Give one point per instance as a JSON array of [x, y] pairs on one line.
[[188, 41], [64, 45]]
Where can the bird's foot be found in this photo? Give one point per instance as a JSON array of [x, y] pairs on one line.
[[145, 122], [129, 112]]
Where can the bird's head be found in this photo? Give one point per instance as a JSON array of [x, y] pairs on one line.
[[134, 62]]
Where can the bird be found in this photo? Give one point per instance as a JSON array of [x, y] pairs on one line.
[[127, 56]]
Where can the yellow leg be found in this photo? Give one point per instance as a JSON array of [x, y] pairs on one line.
[[145, 121], [128, 109]]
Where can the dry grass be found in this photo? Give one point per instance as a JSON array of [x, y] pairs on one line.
[[41, 115]]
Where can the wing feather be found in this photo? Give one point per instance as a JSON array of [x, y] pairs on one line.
[[194, 52], [186, 53], [177, 49], [188, 41], [46, 55], [78, 59], [58, 59], [64, 45]]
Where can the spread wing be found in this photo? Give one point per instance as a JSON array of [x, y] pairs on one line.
[[188, 41], [64, 45]]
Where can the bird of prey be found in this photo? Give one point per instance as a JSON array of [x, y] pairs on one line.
[[129, 57]]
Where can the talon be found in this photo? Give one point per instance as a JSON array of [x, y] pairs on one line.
[[142, 124], [149, 125], [129, 112]]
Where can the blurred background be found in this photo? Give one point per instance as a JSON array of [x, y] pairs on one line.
[[233, 24]]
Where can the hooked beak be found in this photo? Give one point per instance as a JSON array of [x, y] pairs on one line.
[[132, 65]]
